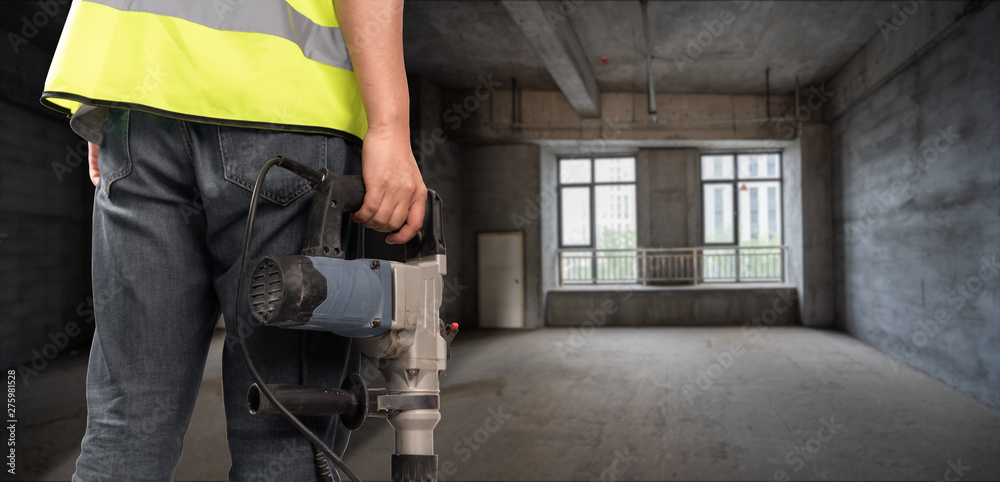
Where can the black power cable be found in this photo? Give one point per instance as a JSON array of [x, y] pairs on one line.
[[311, 175]]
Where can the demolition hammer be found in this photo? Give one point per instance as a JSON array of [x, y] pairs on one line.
[[390, 308]]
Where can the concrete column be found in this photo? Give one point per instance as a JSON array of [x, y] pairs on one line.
[[808, 223], [816, 288], [663, 197]]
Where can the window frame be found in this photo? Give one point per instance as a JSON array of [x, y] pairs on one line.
[[590, 188], [734, 182]]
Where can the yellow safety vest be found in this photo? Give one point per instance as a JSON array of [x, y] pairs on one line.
[[273, 64]]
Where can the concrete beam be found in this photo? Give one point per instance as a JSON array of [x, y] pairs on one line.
[[558, 47]]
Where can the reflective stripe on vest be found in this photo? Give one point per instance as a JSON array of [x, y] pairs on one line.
[[259, 63]]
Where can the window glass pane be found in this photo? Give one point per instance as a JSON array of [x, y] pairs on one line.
[[758, 165], [772, 209], [617, 169], [717, 167], [615, 219], [760, 213], [718, 213], [576, 216], [574, 171]]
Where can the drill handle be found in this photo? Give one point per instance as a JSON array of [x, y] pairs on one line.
[[339, 196], [429, 240], [336, 198]]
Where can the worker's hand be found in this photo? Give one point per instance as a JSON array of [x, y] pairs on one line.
[[95, 173], [394, 191]]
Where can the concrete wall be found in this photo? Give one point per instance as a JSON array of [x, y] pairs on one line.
[[545, 115], [907, 32], [500, 192], [668, 187], [46, 200], [629, 305], [917, 210]]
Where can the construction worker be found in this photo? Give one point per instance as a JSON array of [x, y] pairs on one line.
[[183, 102]]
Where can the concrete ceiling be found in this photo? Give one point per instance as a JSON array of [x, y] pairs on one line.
[[452, 43]]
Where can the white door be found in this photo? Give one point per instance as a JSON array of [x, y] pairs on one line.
[[501, 280]]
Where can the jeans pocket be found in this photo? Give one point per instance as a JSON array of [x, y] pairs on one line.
[[245, 151], [114, 161]]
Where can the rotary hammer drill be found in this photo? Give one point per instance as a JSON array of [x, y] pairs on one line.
[[390, 308]]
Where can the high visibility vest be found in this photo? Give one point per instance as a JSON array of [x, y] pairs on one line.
[[273, 64]]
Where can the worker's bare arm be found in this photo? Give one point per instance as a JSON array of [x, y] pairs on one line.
[[373, 30]]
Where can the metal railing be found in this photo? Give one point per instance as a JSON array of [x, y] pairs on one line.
[[706, 264]]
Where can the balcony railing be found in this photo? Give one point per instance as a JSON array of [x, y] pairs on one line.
[[706, 264]]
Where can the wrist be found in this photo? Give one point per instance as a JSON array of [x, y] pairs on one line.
[[391, 129]]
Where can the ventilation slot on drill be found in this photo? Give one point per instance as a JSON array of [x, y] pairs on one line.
[[265, 291]]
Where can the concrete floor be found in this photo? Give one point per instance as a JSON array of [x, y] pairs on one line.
[[623, 404]]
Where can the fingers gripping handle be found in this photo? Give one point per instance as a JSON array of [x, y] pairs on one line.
[[340, 196]]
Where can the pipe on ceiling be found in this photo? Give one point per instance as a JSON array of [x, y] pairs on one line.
[[649, 59]]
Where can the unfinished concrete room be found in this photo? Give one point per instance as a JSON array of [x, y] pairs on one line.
[[500, 240]]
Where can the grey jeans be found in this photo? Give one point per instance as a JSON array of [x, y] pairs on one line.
[[169, 220]]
